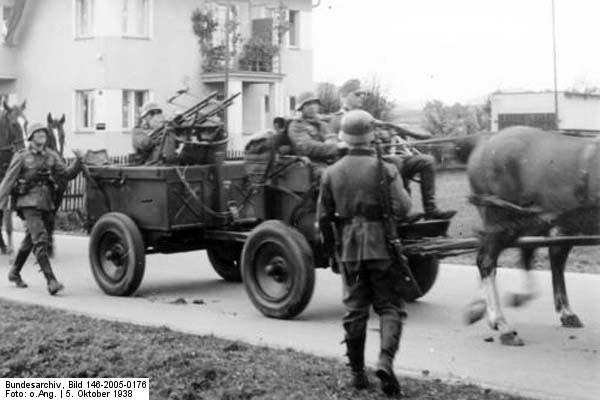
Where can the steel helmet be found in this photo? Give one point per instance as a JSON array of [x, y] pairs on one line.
[[149, 106], [357, 127], [305, 98], [34, 127]]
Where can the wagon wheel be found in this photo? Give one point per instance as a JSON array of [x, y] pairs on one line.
[[425, 270], [117, 254], [277, 269], [225, 259]]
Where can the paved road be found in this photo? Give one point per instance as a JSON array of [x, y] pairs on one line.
[[555, 363]]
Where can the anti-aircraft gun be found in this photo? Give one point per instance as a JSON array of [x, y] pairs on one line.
[[195, 128]]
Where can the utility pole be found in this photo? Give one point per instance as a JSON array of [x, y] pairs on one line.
[[226, 84], [556, 119]]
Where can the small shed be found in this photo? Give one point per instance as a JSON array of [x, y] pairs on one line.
[[577, 112]]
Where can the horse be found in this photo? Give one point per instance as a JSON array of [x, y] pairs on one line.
[[13, 124], [525, 181], [56, 142]]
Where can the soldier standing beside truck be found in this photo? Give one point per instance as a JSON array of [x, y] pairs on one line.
[[30, 180], [349, 208]]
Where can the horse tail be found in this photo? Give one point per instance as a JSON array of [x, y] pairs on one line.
[[465, 146]]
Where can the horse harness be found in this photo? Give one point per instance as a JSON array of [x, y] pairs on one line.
[[588, 188]]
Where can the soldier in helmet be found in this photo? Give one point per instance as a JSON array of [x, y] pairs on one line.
[[151, 150], [30, 179], [352, 96], [349, 200], [310, 136]]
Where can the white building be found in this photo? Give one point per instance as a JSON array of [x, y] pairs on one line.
[[576, 111], [97, 61]]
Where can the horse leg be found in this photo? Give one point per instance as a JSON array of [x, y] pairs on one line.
[[3, 248], [529, 291], [558, 260], [487, 262]]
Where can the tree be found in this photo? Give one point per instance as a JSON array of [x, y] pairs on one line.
[[329, 96], [456, 120], [377, 100]]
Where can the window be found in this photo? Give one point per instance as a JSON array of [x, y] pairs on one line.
[[85, 109], [267, 104], [294, 32], [136, 18], [292, 103], [4, 22], [133, 100], [84, 18]]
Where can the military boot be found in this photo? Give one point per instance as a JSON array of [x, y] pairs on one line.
[[390, 339], [428, 196], [355, 350], [54, 286], [14, 274]]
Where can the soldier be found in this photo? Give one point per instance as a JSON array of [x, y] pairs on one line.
[[310, 136], [410, 165], [349, 198], [150, 150], [30, 179]]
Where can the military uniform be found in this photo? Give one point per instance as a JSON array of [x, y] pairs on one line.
[[148, 149], [349, 196], [30, 179], [311, 138]]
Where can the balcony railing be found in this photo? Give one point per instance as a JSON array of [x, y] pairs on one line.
[[255, 56]]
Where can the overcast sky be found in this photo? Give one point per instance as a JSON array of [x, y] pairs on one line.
[[456, 50]]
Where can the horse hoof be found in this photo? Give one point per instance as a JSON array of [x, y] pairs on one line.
[[571, 321], [475, 311], [511, 339]]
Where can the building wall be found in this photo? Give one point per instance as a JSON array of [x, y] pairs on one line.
[[577, 112]]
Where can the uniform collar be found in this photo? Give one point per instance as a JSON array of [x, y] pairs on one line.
[[35, 151]]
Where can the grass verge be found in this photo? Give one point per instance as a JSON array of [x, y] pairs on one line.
[[41, 342]]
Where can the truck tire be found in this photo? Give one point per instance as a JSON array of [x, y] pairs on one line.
[[425, 270], [277, 270], [117, 254], [225, 258]]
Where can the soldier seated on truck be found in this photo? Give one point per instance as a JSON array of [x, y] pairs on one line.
[[152, 141], [310, 136]]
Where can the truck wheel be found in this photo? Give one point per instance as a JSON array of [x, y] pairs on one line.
[[425, 269], [117, 254], [277, 269], [225, 259]]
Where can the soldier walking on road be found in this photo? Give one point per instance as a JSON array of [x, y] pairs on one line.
[[30, 179], [350, 219]]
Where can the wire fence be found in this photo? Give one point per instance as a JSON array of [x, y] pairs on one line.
[[73, 199]]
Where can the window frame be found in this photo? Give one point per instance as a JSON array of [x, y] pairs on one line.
[[78, 19], [295, 31], [79, 111], [133, 111], [126, 26], [292, 103]]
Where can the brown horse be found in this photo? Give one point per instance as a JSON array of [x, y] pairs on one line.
[[12, 125], [56, 142], [525, 181]]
